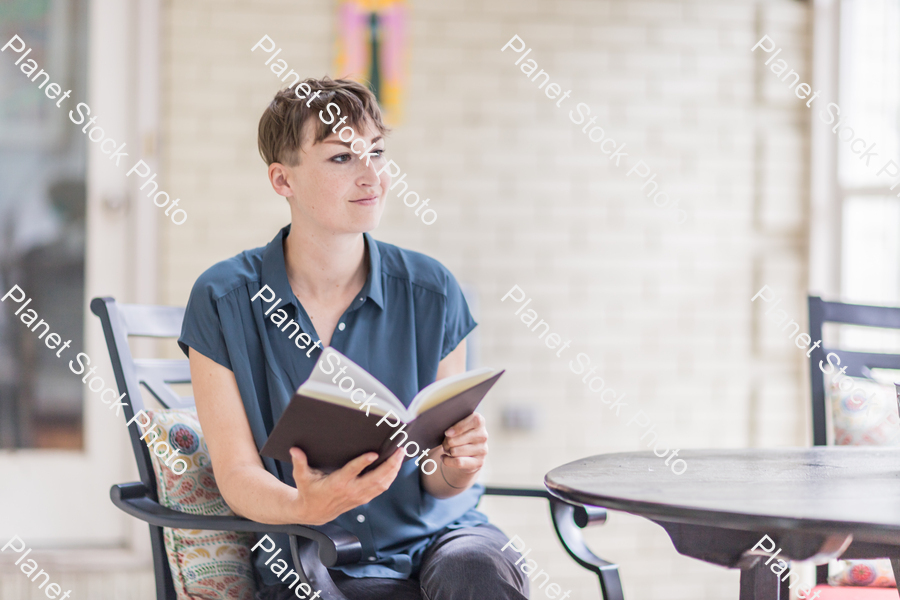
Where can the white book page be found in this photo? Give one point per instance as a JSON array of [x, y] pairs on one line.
[[448, 387], [331, 394], [322, 385]]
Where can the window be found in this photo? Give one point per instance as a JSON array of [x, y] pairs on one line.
[[869, 92], [42, 222]]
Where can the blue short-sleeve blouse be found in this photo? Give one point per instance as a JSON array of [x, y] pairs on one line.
[[409, 315]]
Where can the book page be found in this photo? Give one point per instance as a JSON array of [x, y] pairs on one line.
[[447, 388], [324, 379], [328, 392]]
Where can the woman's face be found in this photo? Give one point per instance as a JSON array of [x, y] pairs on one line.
[[331, 188]]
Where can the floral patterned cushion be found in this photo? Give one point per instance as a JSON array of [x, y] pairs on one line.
[[872, 573], [864, 414], [205, 565]]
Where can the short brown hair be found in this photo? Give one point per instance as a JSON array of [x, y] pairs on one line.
[[281, 125]]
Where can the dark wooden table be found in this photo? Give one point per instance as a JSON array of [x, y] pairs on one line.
[[814, 503]]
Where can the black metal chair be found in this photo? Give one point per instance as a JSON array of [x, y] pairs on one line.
[[858, 365], [314, 548]]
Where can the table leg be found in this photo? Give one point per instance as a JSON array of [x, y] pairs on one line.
[[760, 583], [895, 562]]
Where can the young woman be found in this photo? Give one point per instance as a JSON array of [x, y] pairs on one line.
[[398, 314]]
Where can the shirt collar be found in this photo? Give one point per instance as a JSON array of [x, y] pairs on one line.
[[274, 272]]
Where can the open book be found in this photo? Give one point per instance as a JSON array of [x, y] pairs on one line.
[[334, 417]]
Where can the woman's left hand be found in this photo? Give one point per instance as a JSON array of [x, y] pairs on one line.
[[465, 445]]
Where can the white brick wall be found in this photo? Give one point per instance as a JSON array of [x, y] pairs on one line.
[[524, 198]]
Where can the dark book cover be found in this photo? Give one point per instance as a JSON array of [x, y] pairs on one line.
[[332, 435]]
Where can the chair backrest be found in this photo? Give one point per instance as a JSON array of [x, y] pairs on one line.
[[121, 321], [821, 312]]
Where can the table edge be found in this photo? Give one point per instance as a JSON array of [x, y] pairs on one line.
[[653, 511]]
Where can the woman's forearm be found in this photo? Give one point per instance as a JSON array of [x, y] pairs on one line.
[[256, 494], [318, 498]]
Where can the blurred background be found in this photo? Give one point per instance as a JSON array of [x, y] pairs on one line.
[[523, 199]]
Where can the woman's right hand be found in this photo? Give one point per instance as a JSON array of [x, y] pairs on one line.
[[322, 498]]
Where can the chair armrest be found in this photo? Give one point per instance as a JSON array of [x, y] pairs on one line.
[[521, 492], [564, 521], [583, 515], [336, 546], [566, 517]]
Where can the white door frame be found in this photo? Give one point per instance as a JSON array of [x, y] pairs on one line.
[[60, 499], [824, 204]]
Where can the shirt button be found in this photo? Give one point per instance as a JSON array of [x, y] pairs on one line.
[[362, 299], [361, 518], [371, 559], [342, 326]]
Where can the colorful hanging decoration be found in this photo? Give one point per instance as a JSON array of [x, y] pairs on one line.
[[372, 48]]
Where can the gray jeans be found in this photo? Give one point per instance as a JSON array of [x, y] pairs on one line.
[[461, 564]]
